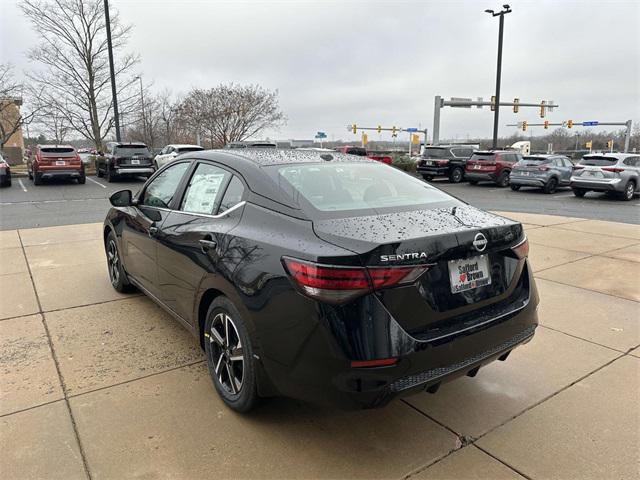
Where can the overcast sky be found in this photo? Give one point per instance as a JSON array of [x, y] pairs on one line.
[[382, 62]]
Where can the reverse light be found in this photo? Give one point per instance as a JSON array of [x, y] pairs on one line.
[[338, 284], [522, 249]]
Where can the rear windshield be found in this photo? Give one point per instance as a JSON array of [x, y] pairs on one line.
[[340, 187], [535, 160], [361, 152], [435, 153], [131, 150], [189, 149], [59, 151], [598, 161], [481, 157]]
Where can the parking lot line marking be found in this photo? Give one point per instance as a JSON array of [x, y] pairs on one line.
[[24, 189], [96, 182]]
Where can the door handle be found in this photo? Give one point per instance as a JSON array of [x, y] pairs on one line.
[[207, 244], [153, 231]]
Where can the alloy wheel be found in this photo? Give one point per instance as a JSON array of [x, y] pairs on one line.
[[113, 260], [628, 191], [227, 353]]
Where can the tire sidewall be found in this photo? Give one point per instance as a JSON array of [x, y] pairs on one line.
[[626, 192], [123, 283], [247, 397], [456, 178]]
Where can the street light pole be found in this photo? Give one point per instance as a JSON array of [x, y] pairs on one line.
[[144, 115], [501, 14], [112, 70]]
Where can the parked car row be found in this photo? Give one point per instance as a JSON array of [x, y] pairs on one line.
[[615, 173]]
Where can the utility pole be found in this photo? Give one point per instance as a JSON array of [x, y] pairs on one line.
[[501, 14], [144, 115], [112, 70]]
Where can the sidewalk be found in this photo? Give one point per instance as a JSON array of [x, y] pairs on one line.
[[96, 384]]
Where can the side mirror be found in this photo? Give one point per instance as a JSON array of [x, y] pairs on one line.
[[121, 198]]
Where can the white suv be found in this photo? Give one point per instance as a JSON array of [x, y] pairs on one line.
[[170, 152]]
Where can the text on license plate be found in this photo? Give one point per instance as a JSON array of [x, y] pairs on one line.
[[59, 162], [469, 273], [135, 162]]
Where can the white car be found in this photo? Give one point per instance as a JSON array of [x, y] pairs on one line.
[[170, 152]]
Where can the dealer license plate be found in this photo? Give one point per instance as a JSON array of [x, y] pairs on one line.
[[476, 167], [592, 174], [135, 162], [60, 162], [469, 273]]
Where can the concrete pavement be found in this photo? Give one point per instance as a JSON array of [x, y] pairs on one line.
[[101, 385]]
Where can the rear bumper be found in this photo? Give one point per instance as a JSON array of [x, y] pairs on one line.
[[527, 181], [433, 171], [134, 170], [480, 176], [616, 185], [46, 174], [321, 372]]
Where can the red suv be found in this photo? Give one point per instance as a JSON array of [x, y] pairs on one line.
[[493, 166], [55, 161]]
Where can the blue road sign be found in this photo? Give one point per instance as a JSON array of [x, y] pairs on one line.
[[590, 124], [412, 129], [321, 135]]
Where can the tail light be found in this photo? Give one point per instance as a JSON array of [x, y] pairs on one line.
[[543, 168], [578, 167], [522, 249], [613, 169], [338, 284], [442, 163]]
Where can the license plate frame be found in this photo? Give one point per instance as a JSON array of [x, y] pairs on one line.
[[460, 270], [477, 167], [135, 161], [60, 162]]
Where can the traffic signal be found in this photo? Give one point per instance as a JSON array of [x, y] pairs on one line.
[[546, 124], [379, 129], [393, 131], [524, 126], [543, 106], [569, 123], [493, 103], [415, 139], [354, 128], [610, 144], [516, 105], [365, 138], [589, 145]]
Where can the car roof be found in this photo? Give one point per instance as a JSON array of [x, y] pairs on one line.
[[617, 156], [183, 145], [124, 144], [276, 156], [449, 145], [491, 152], [55, 146]]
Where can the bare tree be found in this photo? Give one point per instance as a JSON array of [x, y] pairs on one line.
[[11, 117], [230, 113], [75, 68]]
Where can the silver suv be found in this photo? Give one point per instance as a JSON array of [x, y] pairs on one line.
[[547, 172], [607, 172]]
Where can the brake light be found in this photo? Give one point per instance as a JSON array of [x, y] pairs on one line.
[[578, 167], [442, 163], [543, 168], [613, 169], [522, 249], [337, 284]]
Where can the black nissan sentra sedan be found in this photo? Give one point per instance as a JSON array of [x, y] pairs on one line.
[[322, 276]]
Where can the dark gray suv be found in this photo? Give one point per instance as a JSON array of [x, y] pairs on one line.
[[547, 172]]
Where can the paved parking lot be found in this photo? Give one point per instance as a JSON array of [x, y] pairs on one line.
[[66, 203], [96, 384]]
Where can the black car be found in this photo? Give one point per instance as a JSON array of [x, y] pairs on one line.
[[5, 173], [125, 159], [444, 161], [322, 276]]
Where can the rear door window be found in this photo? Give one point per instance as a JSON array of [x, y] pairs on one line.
[[436, 153], [598, 161], [233, 195], [132, 151], [204, 189], [483, 157], [58, 151]]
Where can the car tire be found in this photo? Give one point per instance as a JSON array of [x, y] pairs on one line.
[[629, 191], [579, 192], [117, 275], [456, 175], [29, 174], [82, 179], [515, 188], [155, 166], [230, 356], [428, 178], [551, 185], [473, 182], [109, 175], [503, 180], [37, 178]]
